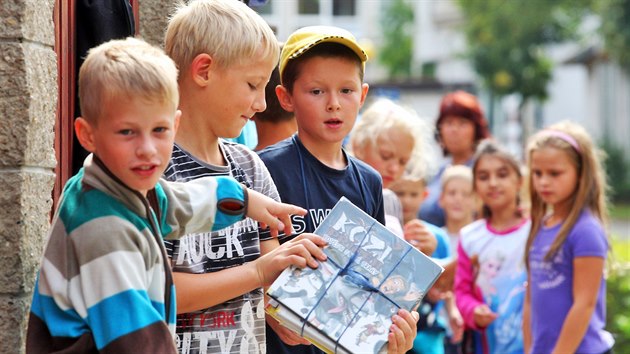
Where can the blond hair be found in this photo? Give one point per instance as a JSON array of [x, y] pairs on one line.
[[125, 69], [227, 30], [456, 172], [591, 189], [383, 115]]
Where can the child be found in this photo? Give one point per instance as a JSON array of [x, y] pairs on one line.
[[105, 283], [321, 70], [226, 53], [565, 306], [387, 137], [490, 275], [457, 200], [437, 317]]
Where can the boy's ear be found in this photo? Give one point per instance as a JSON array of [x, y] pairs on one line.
[[85, 133], [284, 97], [200, 69], [364, 91]]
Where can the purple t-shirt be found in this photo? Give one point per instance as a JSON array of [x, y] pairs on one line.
[[552, 283]]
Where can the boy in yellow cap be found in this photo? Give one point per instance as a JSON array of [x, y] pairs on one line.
[[321, 71]]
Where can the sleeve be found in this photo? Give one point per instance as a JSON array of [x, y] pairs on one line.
[[465, 292], [202, 205], [589, 240]]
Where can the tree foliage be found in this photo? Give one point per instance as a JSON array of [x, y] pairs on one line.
[[397, 50], [615, 28], [507, 39]]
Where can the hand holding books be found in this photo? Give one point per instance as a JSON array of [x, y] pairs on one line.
[[358, 300]]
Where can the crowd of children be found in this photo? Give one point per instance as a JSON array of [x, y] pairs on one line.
[[166, 239]]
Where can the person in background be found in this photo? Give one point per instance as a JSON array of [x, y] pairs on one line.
[[565, 305], [490, 276], [226, 53], [321, 70], [457, 198], [438, 313], [460, 126], [388, 137], [105, 283], [274, 123]]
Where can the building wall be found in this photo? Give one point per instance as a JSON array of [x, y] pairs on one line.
[[28, 97]]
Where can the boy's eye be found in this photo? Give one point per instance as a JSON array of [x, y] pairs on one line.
[[316, 91], [125, 132], [346, 90], [160, 129], [252, 87]]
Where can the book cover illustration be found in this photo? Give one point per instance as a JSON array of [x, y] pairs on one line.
[[346, 304]]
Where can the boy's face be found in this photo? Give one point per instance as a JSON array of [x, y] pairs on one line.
[[457, 199], [233, 95], [390, 154], [134, 139], [326, 99], [411, 194]]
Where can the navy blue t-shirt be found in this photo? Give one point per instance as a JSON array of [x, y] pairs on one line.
[[303, 180]]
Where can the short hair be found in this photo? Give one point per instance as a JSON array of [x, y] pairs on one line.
[[384, 114], [274, 112], [463, 104], [228, 30], [322, 50], [456, 172], [122, 69]]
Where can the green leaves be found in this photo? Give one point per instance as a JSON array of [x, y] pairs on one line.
[[397, 51]]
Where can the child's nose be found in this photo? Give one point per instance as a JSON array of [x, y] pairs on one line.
[[333, 104], [146, 147]]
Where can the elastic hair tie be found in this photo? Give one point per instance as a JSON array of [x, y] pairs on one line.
[[565, 137]]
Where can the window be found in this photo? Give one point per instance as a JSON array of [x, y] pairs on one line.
[[308, 7], [344, 8]]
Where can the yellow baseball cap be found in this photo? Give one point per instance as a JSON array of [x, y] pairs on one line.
[[305, 38]]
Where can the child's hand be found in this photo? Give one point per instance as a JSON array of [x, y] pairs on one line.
[[457, 325], [270, 213], [417, 234], [402, 332], [484, 316], [301, 251], [286, 335]]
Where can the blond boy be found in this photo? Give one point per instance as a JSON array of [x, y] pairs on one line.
[[458, 201], [225, 53], [321, 70], [105, 283]]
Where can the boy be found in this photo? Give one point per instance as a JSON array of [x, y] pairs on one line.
[[321, 70], [225, 53], [437, 317], [105, 283]]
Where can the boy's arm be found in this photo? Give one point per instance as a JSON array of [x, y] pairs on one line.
[[213, 203], [200, 291]]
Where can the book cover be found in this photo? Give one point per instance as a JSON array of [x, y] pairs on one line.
[[346, 304]]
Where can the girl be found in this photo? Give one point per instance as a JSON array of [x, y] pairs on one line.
[[490, 274], [566, 250], [387, 137]]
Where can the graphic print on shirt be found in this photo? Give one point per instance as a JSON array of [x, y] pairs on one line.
[[237, 325], [547, 271]]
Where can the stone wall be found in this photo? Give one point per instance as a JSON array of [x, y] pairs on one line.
[[28, 97], [153, 16]]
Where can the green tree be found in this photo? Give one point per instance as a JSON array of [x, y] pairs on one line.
[[397, 50], [507, 39], [615, 28]]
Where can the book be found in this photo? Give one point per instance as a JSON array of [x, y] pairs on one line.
[[345, 305]]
